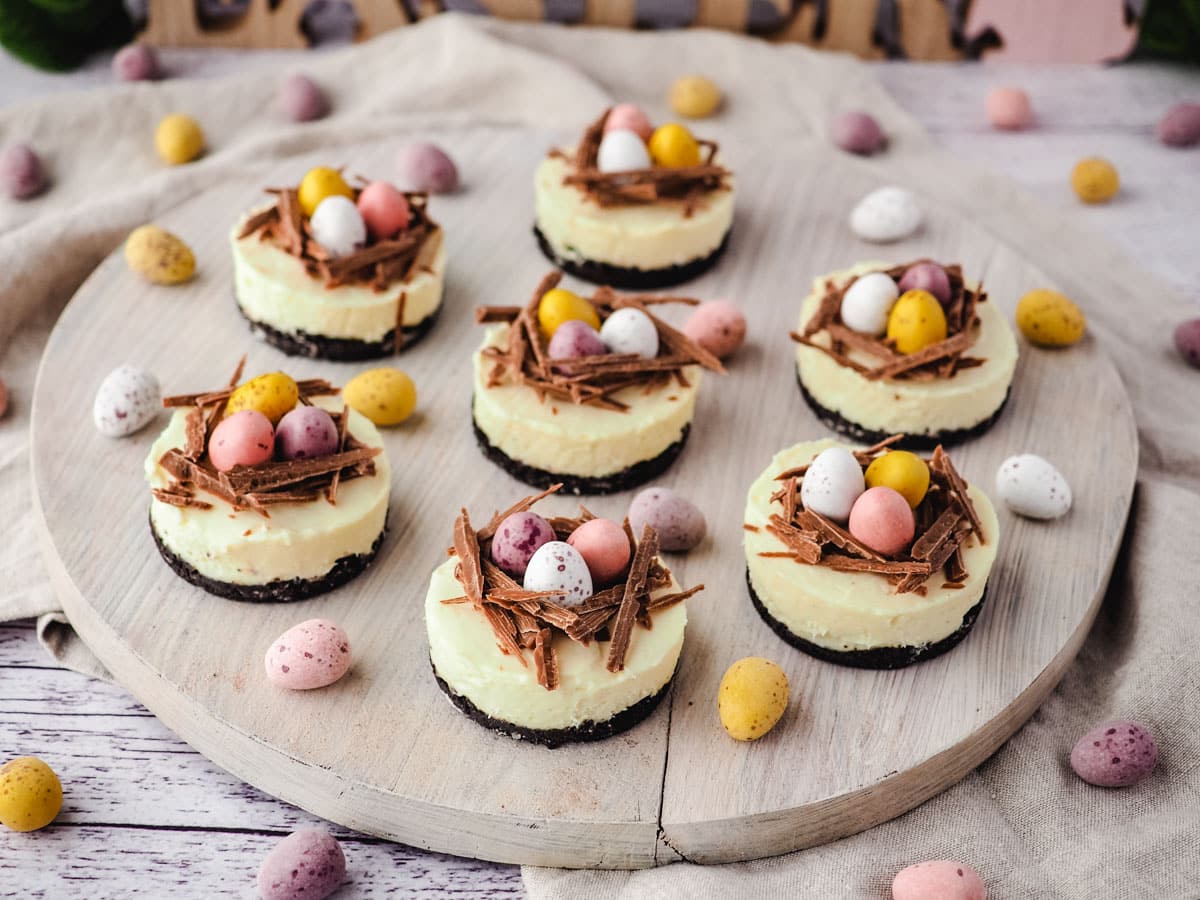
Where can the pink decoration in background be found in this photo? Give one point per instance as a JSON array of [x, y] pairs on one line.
[[1079, 31]]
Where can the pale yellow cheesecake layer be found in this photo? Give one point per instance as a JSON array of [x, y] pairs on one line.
[[856, 610], [299, 540], [464, 653], [911, 407], [564, 438]]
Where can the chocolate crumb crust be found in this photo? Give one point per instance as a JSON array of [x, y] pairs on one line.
[[628, 278], [317, 346]]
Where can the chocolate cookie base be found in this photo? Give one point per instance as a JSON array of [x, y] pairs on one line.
[[629, 278], [635, 475], [280, 591], [877, 657], [316, 346], [862, 435], [556, 737]]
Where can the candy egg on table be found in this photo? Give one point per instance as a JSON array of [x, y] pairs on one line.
[[938, 879], [902, 471], [306, 865], [1031, 486], [301, 99], [423, 166], [694, 97], [136, 62], [575, 338], [559, 305], [1095, 180], [385, 395], [307, 432], [1187, 341], [833, 482], [628, 117], [882, 519], [384, 210], [245, 438], [3, 398], [310, 655], [622, 151], [678, 522], [718, 326], [338, 226], [1050, 319], [320, 183], [159, 256], [857, 132], [272, 394], [178, 139], [867, 303], [630, 330], [886, 214], [752, 698], [916, 321], [1009, 108], [517, 538], [1119, 753], [1180, 126], [927, 276], [22, 174], [30, 794], [673, 146], [127, 400], [557, 566], [604, 546]]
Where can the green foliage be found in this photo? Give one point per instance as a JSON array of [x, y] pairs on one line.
[[58, 34], [1170, 29]]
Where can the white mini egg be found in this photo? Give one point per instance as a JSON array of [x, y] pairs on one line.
[[1031, 486], [557, 566], [622, 151], [887, 214], [832, 483], [867, 303], [127, 400], [338, 226], [630, 331]]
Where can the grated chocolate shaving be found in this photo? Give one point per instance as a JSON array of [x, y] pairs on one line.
[[627, 613]]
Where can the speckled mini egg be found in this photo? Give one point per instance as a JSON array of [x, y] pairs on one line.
[[857, 132], [558, 305], [927, 276], [318, 184], [1180, 126], [313, 654], [1187, 341], [886, 214], [159, 256], [938, 879], [127, 400], [575, 338], [384, 210], [718, 326], [557, 566], [21, 172], [1049, 319], [178, 139], [306, 865], [752, 698], [882, 519], [274, 395], [245, 438], [1115, 754], [30, 794], [136, 62], [630, 331], [694, 97], [628, 117], [307, 432], [1095, 180], [426, 167], [902, 471], [1030, 486], [604, 546], [1008, 108], [673, 147], [916, 321], [622, 151], [338, 226], [867, 303], [517, 538], [833, 482], [301, 99], [677, 520], [386, 396]]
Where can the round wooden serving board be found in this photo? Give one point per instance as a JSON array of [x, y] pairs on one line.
[[383, 751]]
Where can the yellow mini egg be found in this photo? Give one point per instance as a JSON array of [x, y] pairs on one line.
[[905, 473], [559, 305], [752, 698], [30, 794], [385, 396], [916, 321], [178, 139], [673, 146], [1095, 180], [1048, 318], [694, 97], [159, 256], [320, 183], [274, 395]]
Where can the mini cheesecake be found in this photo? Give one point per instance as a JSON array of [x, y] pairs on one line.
[[279, 531], [373, 302], [861, 386], [612, 430], [646, 228], [826, 593]]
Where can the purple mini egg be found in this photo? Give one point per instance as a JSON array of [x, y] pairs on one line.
[[927, 276], [425, 167], [1115, 754], [516, 540], [1180, 127], [21, 172], [1187, 341], [301, 99], [678, 521], [306, 865], [575, 338], [306, 433], [857, 132], [136, 62]]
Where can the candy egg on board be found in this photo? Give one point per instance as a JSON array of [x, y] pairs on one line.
[[927, 276], [882, 519], [245, 438], [557, 566], [559, 305], [30, 794], [752, 698], [622, 151], [178, 139], [338, 226], [3, 399], [630, 330], [833, 482], [673, 146], [604, 546], [1030, 486], [857, 132], [426, 167], [385, 395], [313, 654], [1008, 108], [517, 538], [384, 210], [694, 97], [136, 62], [886, 214], [307, 432], [1095, 180], [575, 338], [867, 303], [1115, 754], [718, 326], [902, 471], [306, 865], [128, 399], [1180, 126], [159, 256], [318, 184], [1050, 319], [301, 99], [1187, 341], [916, 321], [273, 394], [21, 172], [938, 879], [628, 117], [677, 520]]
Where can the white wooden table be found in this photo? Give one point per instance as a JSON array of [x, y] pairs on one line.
[[146, 816]]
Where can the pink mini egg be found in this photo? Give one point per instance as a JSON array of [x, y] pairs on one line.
[[310, 655], [604, 546], [575, 338], [929, 277], [938, 879], [857, 132], [628, 117], [1119, 753], [384, 209], [244, 439], [1008, 108], [301, 99], [306, 865], [882, 519], [136, 62], [718, 326], [423, 166]]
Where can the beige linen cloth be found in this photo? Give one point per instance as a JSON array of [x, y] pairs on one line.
[[1031, 828]]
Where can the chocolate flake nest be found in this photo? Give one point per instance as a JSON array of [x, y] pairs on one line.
[[270, 483], [589, 380], [941, 360], [945, 519], [527, 620]]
